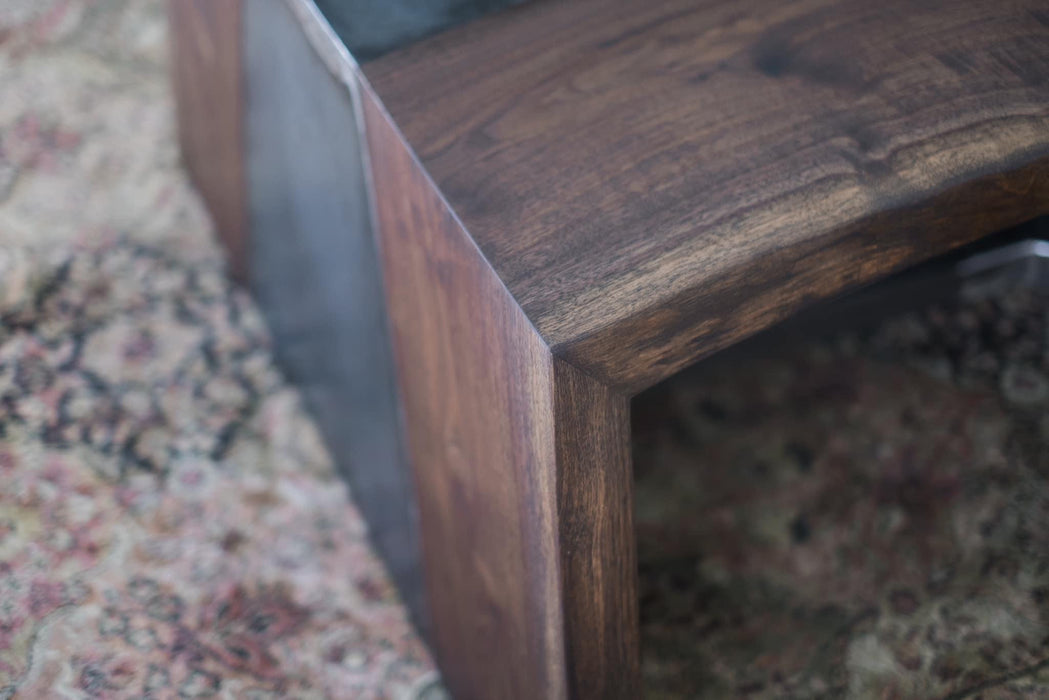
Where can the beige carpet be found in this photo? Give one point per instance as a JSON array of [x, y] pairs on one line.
[[170, 524]]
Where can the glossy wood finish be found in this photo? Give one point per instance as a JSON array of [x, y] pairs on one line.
[[521, 464], [512, 455], [586, 197], [477, 383], [315, 273], [653, 181], [598, 550], [206, 64]]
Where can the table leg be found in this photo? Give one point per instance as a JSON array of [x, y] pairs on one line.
[[206, 74], [520, 462]]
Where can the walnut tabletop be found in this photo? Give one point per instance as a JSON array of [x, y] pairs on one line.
[[474, 251], [654, 180]]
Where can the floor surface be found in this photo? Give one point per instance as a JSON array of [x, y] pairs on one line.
[[170, 524]]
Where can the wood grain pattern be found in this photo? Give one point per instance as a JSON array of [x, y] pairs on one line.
[[522, 464], [653, 182], [598, 548], [617, 190], [476, 381], [206, 70]]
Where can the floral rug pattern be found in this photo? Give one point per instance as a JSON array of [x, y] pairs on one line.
[[170, 523], [861, 516]]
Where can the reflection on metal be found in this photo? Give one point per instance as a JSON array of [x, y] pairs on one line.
[[1020, 264], [314, 264]]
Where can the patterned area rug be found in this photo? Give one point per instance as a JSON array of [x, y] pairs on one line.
[[863, 516], [170, 524]]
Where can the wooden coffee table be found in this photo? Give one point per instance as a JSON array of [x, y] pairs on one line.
[[475, 250]]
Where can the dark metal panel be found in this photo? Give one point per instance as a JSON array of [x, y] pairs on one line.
[[372, 28], [315, 272]]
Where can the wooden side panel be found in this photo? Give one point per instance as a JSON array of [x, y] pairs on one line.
[[598, 547], [316, 275], [206, 65], [476, 381], [522, 464]]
